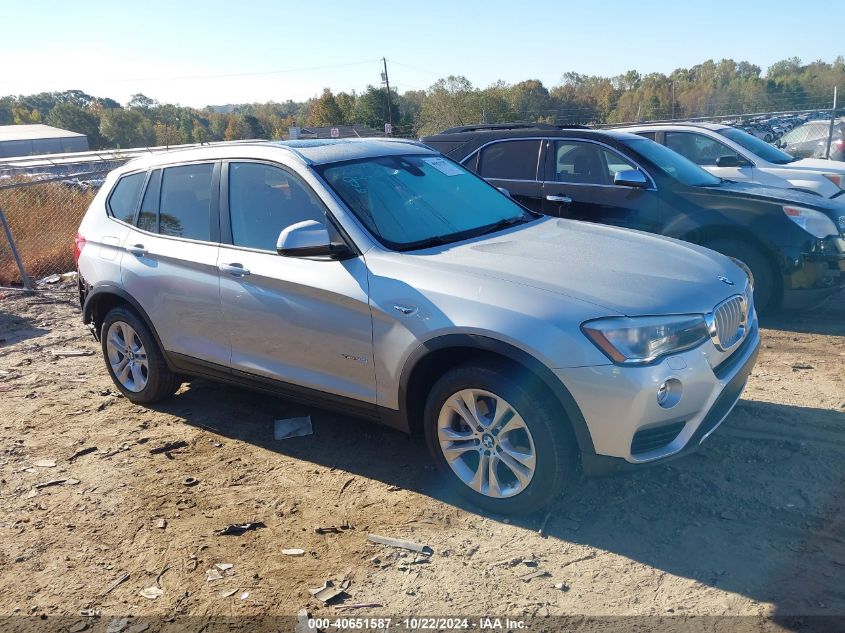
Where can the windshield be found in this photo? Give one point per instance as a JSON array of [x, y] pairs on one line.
[[758, 146], [671, 163], [416, 201]]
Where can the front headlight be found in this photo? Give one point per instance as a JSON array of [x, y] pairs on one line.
[[814, 222], [640, 340]]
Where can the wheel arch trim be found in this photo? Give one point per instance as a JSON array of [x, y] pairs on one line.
[[98, 292], [506, 350]]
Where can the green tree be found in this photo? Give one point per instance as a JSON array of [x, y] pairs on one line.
[[324, 111], [126, 128], [68, 116], [142, 101], [371, 108], [346, 104], [168, 134], [237, 129]]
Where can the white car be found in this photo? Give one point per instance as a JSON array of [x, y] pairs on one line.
[[736, 155]]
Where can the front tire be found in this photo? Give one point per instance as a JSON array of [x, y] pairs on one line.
[[133, 358], [502, 442], [766, 286]]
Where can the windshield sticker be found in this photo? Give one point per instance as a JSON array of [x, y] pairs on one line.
[[444, 166]]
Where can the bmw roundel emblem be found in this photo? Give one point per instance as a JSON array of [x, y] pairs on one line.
[[725, 280]]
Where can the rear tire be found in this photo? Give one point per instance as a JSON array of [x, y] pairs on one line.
[[767, 288], [521, 451], [133, 359]]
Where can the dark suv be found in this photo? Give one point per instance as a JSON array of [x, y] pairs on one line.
[[792, 241]]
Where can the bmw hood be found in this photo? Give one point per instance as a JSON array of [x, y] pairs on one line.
[[622, 271]]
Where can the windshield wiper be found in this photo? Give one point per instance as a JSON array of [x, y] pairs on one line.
[[435, 240], [502, 224]]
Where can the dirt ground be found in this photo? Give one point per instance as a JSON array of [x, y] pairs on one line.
[[753, 524]]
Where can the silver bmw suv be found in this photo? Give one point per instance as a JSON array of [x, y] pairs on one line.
[[381, 279]]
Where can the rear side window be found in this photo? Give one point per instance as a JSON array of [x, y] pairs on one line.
[[649, 135], [510, 160], [124, 198], [185, 208], [148, 217]]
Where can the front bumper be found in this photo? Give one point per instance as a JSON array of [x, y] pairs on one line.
[[619, 403], [815, 275]]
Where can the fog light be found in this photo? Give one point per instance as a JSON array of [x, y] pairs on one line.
[[669, 393]]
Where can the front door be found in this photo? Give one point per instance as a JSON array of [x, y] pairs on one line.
[[302, 321], [706, 151], [579, 185]]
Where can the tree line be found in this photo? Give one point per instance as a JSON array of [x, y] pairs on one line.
[[711, 88]]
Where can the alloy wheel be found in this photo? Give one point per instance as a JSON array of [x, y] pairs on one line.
[[486, 443], [127, 356]]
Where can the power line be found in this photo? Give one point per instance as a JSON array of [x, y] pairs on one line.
[[250, 74]]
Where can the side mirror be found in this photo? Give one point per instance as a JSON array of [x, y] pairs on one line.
[[309, 239], [630, 178], [730, 160], [504, 191]]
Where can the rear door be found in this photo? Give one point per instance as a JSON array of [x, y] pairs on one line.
[[579, 185], [704, 151], [303, 321], [512, 164], [170, 261]]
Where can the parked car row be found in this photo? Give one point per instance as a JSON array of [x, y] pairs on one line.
[[382, 279], [791, 239], [811, 139]]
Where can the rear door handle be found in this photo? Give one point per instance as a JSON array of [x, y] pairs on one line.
[[234, 269], [559, 199], [137, 250]]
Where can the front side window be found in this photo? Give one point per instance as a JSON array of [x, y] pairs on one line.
[[700, 149], [587, 163], [124, 198], [413, 201], [263, 200], [757, 146], [510, 160], [185, 209], [671, 163]]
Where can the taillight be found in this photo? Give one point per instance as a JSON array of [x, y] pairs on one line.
[[78, 245]]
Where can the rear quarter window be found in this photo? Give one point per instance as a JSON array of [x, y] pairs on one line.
[[124, 197]]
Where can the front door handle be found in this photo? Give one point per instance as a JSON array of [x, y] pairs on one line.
[[234, 269], [137, 249], [559, 199]]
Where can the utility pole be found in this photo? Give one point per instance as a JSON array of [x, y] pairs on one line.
[[673, 99], [832, 119], [386, 81]]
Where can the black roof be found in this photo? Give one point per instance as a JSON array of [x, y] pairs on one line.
[[487, 132], [484, 127]]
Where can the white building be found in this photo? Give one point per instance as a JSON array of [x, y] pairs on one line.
[[26, 140]]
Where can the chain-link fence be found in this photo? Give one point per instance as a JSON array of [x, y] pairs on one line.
[[39, 217]]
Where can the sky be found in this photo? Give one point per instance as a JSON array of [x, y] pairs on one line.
[[217, 52]]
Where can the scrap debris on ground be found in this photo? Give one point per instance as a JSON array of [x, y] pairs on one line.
[[751, 524]]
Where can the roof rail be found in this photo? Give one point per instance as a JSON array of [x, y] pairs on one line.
[[481, 127]]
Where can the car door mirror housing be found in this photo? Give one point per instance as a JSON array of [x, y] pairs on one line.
[[309, 239], [504, 191], [630, 178], [730, 160]]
